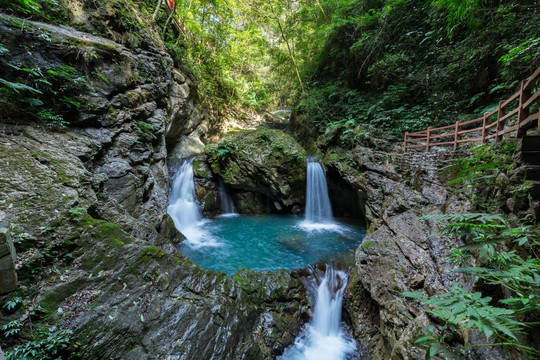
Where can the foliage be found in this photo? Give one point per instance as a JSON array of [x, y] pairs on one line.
[[35, 93], [146, 128], [50, 10], [12, 304], [12, 328], [403, 65], [225, 149], [499, 250], [46, 346], [460, 308]]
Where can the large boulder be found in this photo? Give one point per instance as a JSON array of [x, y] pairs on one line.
[[264, 161]]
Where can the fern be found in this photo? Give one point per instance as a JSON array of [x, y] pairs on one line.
[[18, 87]]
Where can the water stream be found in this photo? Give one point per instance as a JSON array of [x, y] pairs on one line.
[[227, 204], [318, 208], [324, 337], [184, 209]]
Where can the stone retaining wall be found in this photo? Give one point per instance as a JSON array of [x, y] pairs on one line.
[[8, 277], [432, 164]]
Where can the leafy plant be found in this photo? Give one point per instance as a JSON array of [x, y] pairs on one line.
[[146, 128], [12, 328], [224, 149], [12, 304], [46, 346]]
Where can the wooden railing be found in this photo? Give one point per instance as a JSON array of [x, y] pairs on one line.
[[518, 119]]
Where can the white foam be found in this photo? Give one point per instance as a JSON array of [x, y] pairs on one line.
[[185, 212], [324, 338], [328, 226], [228, 215]]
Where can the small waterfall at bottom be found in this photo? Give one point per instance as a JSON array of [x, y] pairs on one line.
[[324, 337]]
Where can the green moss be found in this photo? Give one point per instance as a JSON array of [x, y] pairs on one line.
[[51, 298], [146, 255], [112, 234], [367, 244]]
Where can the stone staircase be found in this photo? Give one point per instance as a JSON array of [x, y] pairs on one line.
[[530, 155]]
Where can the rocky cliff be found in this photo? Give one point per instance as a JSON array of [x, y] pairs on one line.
[[402, 250], [87, 198]]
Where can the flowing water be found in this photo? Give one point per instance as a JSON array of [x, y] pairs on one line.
[[271, 242], [184, 209], [227, 204], [324, 337], [318, 214]]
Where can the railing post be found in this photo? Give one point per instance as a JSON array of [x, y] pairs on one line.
[[538, 120], [428, 138], [405, 141], [485, 123], [523, 113], [500, 125], [456, 136]]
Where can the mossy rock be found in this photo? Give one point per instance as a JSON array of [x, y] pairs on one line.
[[266, 161]]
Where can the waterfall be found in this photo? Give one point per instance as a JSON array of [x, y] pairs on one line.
[[324, 338], [183, 207], [318, 208], [227, 204]]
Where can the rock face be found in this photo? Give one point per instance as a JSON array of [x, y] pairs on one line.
[[8, 257], [266, 163], [400, 252], [89, 201]]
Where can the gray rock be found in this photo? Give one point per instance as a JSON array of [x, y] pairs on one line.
[[265, 161]]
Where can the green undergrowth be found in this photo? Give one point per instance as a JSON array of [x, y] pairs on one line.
[[48, 95], [44, 10], [386, 67]]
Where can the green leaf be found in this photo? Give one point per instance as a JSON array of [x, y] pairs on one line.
[[18, 87]]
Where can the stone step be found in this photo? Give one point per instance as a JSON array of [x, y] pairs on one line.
[[530, 143], [533, 173], [535, 191], [531, 157]]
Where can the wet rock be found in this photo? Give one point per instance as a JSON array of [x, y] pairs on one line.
[[264, 161], [252, 203], [8, 258], [163, 282], [401, 252]]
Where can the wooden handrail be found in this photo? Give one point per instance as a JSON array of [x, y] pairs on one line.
[[527, 98]]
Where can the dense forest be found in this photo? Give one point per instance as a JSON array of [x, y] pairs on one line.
[[104, 104], [352, 65]]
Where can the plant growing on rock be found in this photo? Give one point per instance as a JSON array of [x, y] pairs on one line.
[[32, 93], [225, 149]]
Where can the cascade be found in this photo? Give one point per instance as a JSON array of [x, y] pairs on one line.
[[227, 204], [184, 210], [324, 337], [318, 208]]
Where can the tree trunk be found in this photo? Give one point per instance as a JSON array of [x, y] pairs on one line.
[[290, 52], [157, 10]]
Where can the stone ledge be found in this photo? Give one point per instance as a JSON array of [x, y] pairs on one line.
[[8, 257]]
